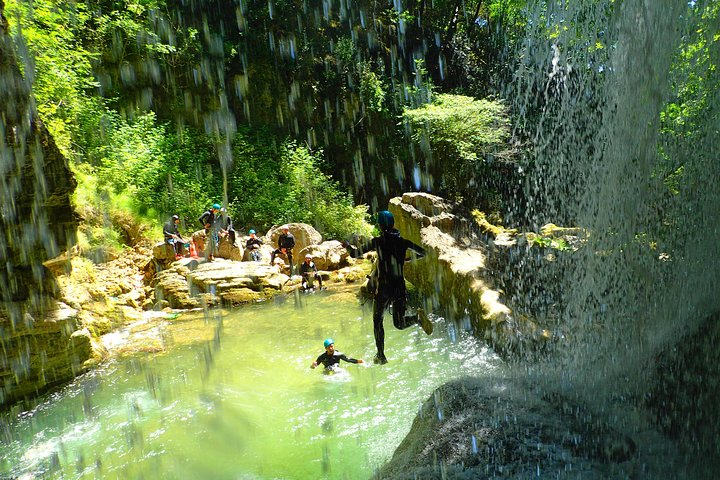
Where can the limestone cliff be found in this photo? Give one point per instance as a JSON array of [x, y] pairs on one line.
[[40, 346], [454, 277]]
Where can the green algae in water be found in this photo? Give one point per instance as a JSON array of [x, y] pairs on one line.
[[244, 404]]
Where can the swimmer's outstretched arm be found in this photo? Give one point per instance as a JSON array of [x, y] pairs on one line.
[[351, 360]]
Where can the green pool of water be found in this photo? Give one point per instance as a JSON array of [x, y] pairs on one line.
[[241, 401]]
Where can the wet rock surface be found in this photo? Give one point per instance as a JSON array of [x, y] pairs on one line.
[[454, 276], [494, 428]]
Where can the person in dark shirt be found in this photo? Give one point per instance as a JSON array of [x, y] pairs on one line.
[[172, 235], [253, 246], [309, 273], [331, 357], [227, 226], [390, 284], [213, 223], [286, 242]]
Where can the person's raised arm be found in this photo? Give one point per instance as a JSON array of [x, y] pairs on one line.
[[419, 251], [356, 252]]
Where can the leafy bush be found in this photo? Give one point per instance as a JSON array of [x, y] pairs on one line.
[[468, 134]]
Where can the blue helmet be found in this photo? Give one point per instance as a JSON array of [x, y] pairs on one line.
[[216, 206], [251, 231], [385, 219], [328, 342]]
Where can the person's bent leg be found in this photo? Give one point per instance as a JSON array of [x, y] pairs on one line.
[[319, 279], [400, 320]]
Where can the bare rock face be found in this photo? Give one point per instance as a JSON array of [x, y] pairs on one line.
[[192, 283], [454, 273], [494, 428], [39, 346], [304, 235], [330, 255]]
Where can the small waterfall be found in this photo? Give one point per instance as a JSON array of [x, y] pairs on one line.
[[595, 97]]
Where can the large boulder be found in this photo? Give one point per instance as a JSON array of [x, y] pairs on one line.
[[495, 428], [454, 275], [225, 248], [41, 350], [191, 283], [304, 234], [330, 255]]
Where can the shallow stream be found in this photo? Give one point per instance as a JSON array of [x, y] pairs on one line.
[[234, 397]]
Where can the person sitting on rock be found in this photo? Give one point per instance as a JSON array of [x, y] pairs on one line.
[[391, 249], [172, 236], [286, 242], [213, 223], [309, 273], [331, 357], [253, 246]]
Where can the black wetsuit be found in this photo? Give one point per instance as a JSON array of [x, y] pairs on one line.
[[170, 229], [391, 249], [251, 242], [286, 241], [330, 361], [213, 233], [228, 226]]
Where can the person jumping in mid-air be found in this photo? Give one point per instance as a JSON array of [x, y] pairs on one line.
[[331, 357], [390, 290]]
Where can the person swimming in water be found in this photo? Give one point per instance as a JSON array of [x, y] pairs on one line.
[[331, 357]]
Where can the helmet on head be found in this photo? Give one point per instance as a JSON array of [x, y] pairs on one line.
[[175, 217], [284, 227], [216, 206], [251, 231], [385, 219], [328, 342], [308, 256]]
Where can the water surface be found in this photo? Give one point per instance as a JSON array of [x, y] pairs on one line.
[[234, 397]]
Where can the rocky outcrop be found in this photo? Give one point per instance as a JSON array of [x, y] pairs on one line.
[[39, 345], [454, 275], [495, 428], [226, 249], [330, 255], [304, 234], [191, 283]]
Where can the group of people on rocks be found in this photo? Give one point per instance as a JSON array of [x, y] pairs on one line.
[[387, 283], [218, 224]]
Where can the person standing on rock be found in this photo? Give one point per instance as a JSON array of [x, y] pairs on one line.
[[286, 242], [172, 236], [253, 246], [227, 225], [391, 249], [212, 221]]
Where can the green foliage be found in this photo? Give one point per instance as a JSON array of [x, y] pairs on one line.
[[372, 89], [459, 131], [272, 184]]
